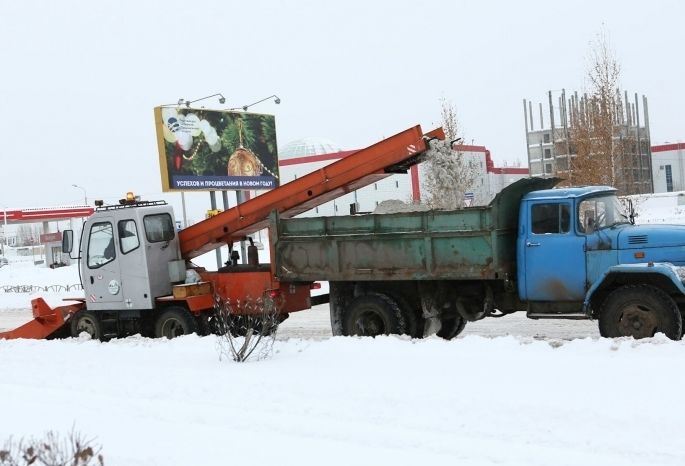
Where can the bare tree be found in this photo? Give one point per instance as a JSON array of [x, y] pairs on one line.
[[247, 328], [448, 173], [450, 121], [52, 450], [594, 130]]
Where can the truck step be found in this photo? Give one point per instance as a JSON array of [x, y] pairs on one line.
[[110, 325], [562, 315]]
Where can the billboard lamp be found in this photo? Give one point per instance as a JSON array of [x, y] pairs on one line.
[[277, 100], [222, 99], [187, 103]]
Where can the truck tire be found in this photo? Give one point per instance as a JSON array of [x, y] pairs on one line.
[[413, 318], [86, 321], [639, 311], [174, 322], [451, 327], [374, 314], [340, 295]]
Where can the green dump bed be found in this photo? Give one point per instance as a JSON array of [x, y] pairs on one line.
[[470, 244]]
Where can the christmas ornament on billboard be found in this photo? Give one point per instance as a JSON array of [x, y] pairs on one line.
[[244, 162]]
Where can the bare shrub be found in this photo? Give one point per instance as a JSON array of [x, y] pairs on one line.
[[247, 328], [52, 450]]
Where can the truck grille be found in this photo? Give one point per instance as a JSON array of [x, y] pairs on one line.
[[637, 239]]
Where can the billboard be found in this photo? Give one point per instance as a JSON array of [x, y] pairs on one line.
[[208, 150]]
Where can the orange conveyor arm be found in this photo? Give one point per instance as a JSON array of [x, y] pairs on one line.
[[366, 166]]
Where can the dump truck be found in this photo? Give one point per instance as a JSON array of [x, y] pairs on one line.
[[133, 263], [564, 253]]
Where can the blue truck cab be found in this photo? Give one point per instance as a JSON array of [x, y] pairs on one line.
[[580, 255]]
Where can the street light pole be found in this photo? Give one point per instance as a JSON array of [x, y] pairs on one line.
[[85, 196], [4, 229]]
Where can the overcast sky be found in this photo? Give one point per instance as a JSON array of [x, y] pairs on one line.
[[79, 79]]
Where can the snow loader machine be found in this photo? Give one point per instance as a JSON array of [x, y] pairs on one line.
[[133, 263]]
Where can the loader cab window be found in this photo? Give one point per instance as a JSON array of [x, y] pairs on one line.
[[158, 228], [101, 249], [550, 218], [128, 236]]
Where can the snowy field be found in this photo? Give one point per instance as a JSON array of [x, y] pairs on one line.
[[551, 392]]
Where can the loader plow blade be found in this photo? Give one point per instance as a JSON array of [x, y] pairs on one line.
[[46, 321]]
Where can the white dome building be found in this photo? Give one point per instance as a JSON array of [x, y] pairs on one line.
[[308, 146]]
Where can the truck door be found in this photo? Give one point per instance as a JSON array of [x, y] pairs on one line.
[[134, 272], [101, 274], [554, 254]]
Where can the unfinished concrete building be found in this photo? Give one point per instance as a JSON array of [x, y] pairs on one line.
[[552, 138]]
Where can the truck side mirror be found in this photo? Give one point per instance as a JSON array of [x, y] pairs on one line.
[[67, 241]]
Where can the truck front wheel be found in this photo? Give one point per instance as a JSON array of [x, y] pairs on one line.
[[86, 321], [639, 311], [174, 322], [374, 314]]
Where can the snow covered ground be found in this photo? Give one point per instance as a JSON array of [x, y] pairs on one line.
[[550, 393]]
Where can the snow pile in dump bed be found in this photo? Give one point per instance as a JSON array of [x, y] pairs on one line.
[[347, 401], [393, 206]]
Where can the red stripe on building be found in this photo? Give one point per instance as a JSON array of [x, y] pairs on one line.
[[491, 168], [508, 171], [414, 171], [669, 147], [316, 158], [468, 148]]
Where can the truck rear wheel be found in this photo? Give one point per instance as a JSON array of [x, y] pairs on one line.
[[639, 311], [86, 321], [451, 327], [374, 314], [340, 296], [174, 322]]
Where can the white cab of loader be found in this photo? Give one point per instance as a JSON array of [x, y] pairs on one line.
[[128, 255]]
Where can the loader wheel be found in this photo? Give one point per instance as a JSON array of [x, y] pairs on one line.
[[451, 327], [86, 321], [640, 312], [374, 314], [174, 322]]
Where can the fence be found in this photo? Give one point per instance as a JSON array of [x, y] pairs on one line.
[[37, 288]]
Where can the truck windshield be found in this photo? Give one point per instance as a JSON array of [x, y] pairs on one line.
[[600, 212]]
